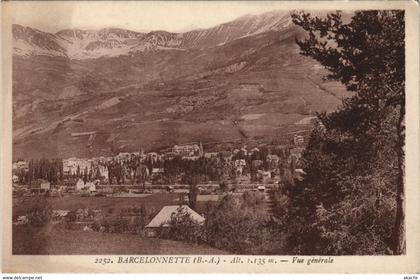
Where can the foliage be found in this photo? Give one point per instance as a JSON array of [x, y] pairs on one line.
[[351, 201], [183, 227], [40, 214], [241, 227]]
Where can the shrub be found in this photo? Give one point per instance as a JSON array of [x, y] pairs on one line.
[[40, 214], [183, 228]]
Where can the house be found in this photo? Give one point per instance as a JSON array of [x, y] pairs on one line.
[[15, 179], [273, 158], [43, 184], [123, 156], [21, 220], [298, 140], [156, 171], [59, 215], [20, 165], [264, 175], [188, 150], [239, 164], [261, 188], [80, 185], [299, 174], [40, 186], [257, 163], [103, 171], [89, 186], [211, 155], [255, 151], [226, 155], [169, 156], [76, 165], [163, 218], [297, 152], [153, 156], [272, 161]]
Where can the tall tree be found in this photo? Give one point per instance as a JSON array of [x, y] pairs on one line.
[[193, 180], [366, 54]]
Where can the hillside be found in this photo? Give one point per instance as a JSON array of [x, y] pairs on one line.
[[244, 81], [60, 241]]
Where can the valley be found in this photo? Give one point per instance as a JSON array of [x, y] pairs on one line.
[[198, 88]]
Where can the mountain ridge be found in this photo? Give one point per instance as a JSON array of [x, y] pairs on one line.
[[212, 87], [86, 44]]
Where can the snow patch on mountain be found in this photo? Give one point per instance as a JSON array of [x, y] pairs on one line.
[[109, 42]]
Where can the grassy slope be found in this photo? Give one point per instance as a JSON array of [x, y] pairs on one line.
[[151, 115], [53, 241], [153, 203]]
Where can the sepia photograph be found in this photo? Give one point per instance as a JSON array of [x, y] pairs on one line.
[[252, 131]]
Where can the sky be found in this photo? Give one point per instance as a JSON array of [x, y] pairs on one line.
[[138, 16]]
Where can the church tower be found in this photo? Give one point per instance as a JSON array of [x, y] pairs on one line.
[[201, 150]]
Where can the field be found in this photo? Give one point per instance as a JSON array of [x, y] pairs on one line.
[[152, 202], [55, 241]]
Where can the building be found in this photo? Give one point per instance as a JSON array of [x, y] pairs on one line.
[[40, 186], [15, 179], [103, 172], [188, 150], [72, 166], [255, 151], [239, 165], [256, 163], [226, 155], [80, 185], [169, 156], [299, 174], [296, 152], [20, 165], [157, 171], [273, 158], [264, 175], [298, 140], [89, 186], [163, 218], [123, 156], [272, 161], [153, 157], [211, 155]]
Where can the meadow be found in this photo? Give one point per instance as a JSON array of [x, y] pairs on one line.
[[53, 240]]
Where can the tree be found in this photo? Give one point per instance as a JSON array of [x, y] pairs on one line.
[[367, 55], [141, 175], [193, 180]]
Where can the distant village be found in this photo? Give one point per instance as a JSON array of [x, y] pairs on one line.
[[130, 173]]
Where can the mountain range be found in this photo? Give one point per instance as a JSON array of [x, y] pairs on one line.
[[96, 92], [84, 44]]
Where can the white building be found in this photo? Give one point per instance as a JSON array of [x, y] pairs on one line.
[[15, 179], [20, 165], [80, 185], [71, 165], [211, 155], [188, 150], [90, 187]]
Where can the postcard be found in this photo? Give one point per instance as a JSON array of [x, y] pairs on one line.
[[201, 136]]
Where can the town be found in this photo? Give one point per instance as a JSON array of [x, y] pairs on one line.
[[131, 173], [176, 194]]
